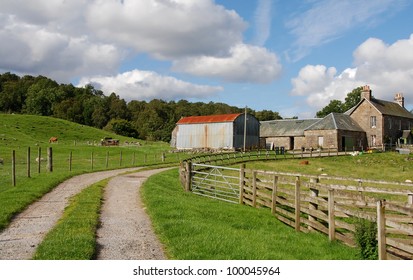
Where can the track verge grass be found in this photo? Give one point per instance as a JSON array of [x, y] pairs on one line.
[[74, 236]]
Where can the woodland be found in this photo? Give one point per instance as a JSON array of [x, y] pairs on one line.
[[151, 120]]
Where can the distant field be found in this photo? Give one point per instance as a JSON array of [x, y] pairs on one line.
[[388, 166]]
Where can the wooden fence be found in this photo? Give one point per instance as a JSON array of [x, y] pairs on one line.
[[225, 158], [27, 162], [316, 203]]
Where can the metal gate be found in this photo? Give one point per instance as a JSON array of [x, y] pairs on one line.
[[217, 182]]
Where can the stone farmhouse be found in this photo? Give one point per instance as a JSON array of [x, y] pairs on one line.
[[372, 123]]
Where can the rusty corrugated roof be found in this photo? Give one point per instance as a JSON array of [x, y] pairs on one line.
[[209, 119]]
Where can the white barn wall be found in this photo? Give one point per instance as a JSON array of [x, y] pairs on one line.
[[205, 135]]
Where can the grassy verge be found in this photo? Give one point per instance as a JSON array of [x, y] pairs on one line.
[[73, 238], [16, 199], [193, 227]]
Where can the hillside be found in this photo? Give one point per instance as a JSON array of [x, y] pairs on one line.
[[30, 130]]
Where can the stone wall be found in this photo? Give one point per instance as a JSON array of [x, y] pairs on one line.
[[363, 116]]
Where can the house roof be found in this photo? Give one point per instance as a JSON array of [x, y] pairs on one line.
[[209, 119], [385, 107], [291, 127], [336, 121]]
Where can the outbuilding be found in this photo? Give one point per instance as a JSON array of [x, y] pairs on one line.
[[226, 132]]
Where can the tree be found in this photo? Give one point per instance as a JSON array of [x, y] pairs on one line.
[[337, 106], [267, 115], [121, 127], [41, 96], [352, 98]]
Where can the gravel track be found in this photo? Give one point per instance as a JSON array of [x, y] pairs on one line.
[[27, 230], [125, 231]]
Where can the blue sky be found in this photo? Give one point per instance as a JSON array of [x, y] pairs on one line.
[[292, 57]]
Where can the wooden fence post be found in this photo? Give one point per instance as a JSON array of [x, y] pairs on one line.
[[254, 189], [313, 206], [39, 159], [274, 195], [120, 159], [241, 183], [91, 159], [410, 198], [297, 203], [107, 159], [188, 174], [28, 162], [381, 230], [331, 218], [133, 159], [13, 168], [50, 159], [70, 161]]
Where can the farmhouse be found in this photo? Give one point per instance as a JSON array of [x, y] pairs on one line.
[[227, 131], [371, 123], [384, 122]]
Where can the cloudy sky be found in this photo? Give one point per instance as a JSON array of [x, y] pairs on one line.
[[292, 56]]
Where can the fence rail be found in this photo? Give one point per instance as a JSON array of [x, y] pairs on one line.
[[316, 203], [31, 162]]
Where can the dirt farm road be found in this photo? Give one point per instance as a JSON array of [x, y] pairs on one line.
[[125, 231]]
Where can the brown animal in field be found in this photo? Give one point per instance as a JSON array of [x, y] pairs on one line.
[[304, 162], [53, 140]]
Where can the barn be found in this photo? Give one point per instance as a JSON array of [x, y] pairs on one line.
[[216, 132]]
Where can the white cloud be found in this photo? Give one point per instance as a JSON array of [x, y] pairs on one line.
[[35, 49], [386, 68], [262, 19], [245, 64], [69, 39], [327, 20], [167, 28], [148, 85]]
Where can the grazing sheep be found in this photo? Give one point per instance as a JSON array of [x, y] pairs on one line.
[[41, 159]]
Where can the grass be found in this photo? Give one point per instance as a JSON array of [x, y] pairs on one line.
[[18, 132], [193, 227], [73, 238], [389, 166]]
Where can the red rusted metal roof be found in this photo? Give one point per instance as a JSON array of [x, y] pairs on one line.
[[209, 119]]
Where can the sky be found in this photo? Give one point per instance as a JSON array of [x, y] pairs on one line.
[[291, 57]]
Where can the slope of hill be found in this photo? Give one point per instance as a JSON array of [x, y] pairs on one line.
[[20, 130]]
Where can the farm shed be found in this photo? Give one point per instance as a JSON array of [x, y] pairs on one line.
[[285, 133], [216, 132], [336, 131]]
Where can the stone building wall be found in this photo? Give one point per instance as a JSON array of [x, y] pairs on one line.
[[363, 116]]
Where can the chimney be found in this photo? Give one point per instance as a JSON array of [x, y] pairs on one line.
[[366, 93], [399, 99]]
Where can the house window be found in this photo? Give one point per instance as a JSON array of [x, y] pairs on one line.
[[373, 121]]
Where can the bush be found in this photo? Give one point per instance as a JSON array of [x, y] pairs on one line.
[[366, 238]]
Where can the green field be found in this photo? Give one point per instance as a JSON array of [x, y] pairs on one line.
[[388, 166], [20, 132]]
